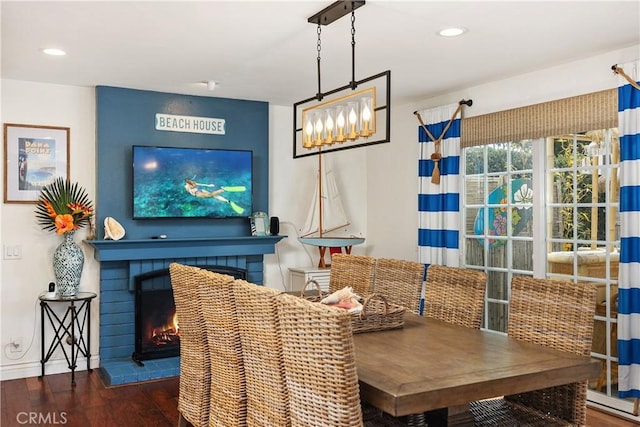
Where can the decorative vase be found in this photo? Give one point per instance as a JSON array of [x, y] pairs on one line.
[[68, 260]]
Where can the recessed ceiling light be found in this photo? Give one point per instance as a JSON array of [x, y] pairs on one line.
[[54, 52], [452, 32]]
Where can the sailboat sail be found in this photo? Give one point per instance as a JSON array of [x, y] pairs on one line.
[[333, 214]]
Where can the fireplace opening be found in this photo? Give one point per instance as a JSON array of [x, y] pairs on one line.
[[157, 333]]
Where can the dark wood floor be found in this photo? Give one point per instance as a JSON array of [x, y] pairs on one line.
[[52, 401], [89, 403]]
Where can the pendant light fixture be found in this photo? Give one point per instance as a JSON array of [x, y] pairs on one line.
[[350, 116]]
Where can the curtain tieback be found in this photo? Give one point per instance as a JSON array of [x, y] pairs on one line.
[[619, 70], [437, 156]]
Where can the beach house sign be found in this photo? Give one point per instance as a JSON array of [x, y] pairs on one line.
[[192, 124]]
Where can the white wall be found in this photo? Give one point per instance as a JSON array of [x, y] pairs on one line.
[[392, 168], [378, 184], [24, 279], [291, 186]]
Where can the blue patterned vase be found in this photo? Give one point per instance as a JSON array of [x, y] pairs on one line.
[[68, 260]]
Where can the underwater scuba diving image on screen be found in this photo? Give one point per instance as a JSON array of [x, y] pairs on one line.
[[173, 182]]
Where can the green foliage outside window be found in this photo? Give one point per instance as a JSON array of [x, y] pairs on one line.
[[570, 195]]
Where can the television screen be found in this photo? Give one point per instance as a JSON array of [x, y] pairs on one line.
[[191, 182]]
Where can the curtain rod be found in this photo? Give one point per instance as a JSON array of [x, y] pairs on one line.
[[467, 102], [620, 71]]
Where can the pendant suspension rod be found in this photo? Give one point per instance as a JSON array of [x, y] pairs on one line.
[[319, 94], [353, 83], [320, 207]]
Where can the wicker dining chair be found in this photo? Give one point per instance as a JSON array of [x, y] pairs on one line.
[[320, 368], [267, 396], [455, 295], [352, 270], [400, 282], [559, 315], [195, 366], [228, 400]]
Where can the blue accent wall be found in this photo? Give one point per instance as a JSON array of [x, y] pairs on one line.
[[126, 117]]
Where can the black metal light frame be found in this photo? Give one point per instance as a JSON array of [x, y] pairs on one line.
[[382, 80]]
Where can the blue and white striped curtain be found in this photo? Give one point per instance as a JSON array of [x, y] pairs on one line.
[[629, 275], [439, 204]]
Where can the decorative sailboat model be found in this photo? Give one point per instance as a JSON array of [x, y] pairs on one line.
[[326, 214]]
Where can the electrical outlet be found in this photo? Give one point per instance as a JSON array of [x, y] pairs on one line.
[[16, 345]]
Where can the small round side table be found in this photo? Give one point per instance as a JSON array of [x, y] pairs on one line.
[[69, 329]]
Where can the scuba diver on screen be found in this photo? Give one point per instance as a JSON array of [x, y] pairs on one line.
[[195, 189]]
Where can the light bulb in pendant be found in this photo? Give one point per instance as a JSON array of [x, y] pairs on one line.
[[353, 120], [366, 119], [329, 127], [308, 130], [318, 131]]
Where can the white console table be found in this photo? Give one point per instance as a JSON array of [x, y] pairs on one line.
[[299, 277]]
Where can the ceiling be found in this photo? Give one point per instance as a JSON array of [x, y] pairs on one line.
[[266, 50]]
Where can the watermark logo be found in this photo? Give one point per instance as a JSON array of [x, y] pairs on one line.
[[35, 418]]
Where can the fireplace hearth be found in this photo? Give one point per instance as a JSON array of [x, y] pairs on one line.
[[157, 327], [121, 261]]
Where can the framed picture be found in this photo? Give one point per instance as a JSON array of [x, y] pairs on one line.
[[259, 224], [33, 157]]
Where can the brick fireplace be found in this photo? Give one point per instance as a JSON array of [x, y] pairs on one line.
[[122, 261]]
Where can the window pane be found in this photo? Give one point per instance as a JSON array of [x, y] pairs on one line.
[[521, 158], [474, 160], [561, 223], [564, 187], [497, 318], [498, 285], [564, 154], [522, 255], [474, 252], [498, 254], [471, 214], [497, 157], [474, 190]]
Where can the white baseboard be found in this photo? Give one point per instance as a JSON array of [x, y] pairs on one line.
[[34, 369], [613, 406]]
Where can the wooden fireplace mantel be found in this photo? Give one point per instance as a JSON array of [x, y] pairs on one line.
[[146, 249]]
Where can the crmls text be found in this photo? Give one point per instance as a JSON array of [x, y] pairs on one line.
[[47, 418]]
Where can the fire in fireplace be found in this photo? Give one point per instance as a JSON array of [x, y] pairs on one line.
[[157, 325]]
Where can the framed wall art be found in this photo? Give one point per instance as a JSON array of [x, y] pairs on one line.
[[33, 157], [259, 222]]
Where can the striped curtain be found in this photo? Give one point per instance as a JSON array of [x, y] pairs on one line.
[[629, 276], [439, 204]]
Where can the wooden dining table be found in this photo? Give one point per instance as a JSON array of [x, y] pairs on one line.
[[431, 365]]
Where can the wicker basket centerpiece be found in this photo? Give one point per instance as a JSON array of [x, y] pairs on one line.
[[376, 315]]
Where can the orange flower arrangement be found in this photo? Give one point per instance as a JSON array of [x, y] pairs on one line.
[[63, 207]]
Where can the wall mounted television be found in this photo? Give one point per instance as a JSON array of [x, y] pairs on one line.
[[172, 182]]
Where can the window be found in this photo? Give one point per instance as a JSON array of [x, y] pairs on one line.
[[499, 186], [551, 199], [582, 230]]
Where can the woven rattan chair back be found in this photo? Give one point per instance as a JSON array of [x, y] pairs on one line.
[[455, 295], [319, 364], [195, 369], [559, 315], [352, 270], [228, 404], [400, 282], [267, 397]]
